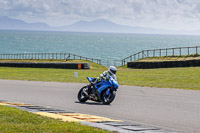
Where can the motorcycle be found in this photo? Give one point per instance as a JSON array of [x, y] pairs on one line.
[[107, 89]]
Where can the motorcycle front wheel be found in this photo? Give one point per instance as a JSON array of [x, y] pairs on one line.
[[107, 99], [82, 97]]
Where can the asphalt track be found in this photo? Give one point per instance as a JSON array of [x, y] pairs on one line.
[[171, 109]]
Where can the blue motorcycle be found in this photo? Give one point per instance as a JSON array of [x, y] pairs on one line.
[[106, 88]]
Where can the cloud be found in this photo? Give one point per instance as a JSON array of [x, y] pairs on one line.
[[169, 14]]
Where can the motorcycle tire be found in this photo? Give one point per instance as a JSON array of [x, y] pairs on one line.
[[107, 99], [81, 96]]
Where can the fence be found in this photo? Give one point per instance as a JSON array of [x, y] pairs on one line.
[[111, 62], [178, 51], [56, 56]]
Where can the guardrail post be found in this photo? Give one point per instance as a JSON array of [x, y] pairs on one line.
[[138, 56], [188, 50], [173, 51], [196, 50], [180, 51], [134, 57], [160, 53], [64, 56], [142, 53]]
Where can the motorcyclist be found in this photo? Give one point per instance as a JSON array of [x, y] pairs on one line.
[[105, 76], [111, 72]]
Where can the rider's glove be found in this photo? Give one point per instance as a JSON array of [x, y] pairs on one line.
[[104, 78]]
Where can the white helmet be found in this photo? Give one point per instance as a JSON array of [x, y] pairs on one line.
[[112, 70]]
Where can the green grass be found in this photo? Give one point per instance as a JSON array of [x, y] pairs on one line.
[[92, 64], [170, 58], [13, 120], [182, 78]]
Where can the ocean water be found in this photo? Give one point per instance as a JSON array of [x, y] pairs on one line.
[[105, 46]]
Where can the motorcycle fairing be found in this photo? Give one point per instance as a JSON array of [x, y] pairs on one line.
[[103, 86]]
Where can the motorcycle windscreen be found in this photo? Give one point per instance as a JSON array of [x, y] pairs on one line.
[[90, 79]]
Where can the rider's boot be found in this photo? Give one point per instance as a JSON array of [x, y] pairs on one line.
[[99, 96]]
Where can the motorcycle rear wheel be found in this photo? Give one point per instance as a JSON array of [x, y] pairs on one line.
[[82, 97]]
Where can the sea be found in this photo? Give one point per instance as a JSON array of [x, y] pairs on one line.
[[109, 47]]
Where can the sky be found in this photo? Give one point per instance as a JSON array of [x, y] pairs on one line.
[[159, 14]]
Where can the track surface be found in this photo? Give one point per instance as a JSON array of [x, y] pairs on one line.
[[171, 109]]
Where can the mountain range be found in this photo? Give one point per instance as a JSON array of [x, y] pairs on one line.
[[16, 24], [98, 25]]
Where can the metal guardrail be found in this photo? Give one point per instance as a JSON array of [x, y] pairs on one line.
[[56, 56], [178, 51], [111, 62]]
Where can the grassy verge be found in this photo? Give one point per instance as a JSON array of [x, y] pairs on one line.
[[14, 121], [170, 58], [182, 78], [92, 64]]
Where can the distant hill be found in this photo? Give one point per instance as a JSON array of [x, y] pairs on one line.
[[15, 24], [98, 25], [102, 25]]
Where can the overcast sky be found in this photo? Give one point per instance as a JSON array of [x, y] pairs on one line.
[[161, 14]]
